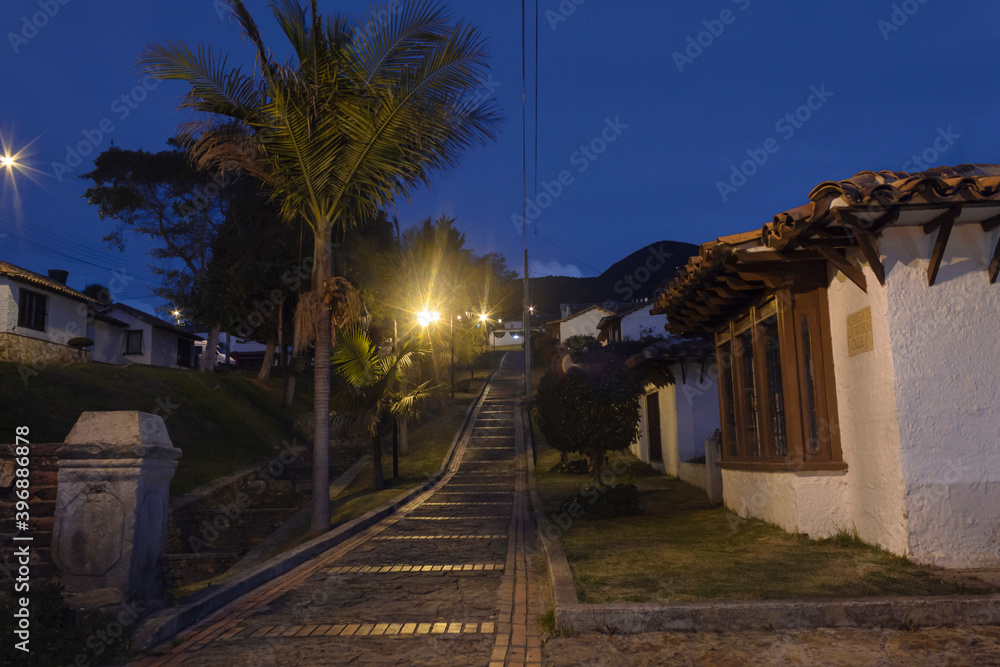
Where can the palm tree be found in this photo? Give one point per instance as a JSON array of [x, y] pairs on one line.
[[376, 388], [359, 116]]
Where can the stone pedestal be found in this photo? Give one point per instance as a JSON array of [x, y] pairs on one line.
[[111, 509]]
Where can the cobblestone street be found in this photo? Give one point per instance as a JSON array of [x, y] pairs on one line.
[[453, 579], [445, 580]]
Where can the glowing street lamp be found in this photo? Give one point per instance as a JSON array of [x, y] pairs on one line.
[[425, 318]]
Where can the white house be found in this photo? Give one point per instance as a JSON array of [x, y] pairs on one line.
[[677, 419], [149, 340], [858, 357], [509, 334], [107, 333], [581, 323], [631, 322], [39, 315]]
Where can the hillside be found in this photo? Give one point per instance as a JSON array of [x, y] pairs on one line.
[[634, 277], [223, 422]]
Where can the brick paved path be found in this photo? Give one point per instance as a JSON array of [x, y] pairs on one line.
[[443, 581]]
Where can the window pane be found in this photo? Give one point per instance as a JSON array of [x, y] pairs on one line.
[[775, 393], [31, 311], [812, 444], [729, 409], [132, 343], [749, 392]]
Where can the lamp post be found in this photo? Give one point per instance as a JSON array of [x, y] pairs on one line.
[[452, 373], [425, 318]]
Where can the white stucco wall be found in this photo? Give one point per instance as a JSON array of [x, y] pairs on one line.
[[919, 414], [584, 324], [134, 323], [689, 414], [65, 319], [869, 428], [641, 323], [668, 430], [107, 342], [946, 353], [799, 502], [164, 349], [697, 408]]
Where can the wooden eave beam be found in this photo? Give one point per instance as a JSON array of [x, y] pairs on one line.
[[943, 224], [867, 245], [837, 259], [859, 224], [989, 224], [737, 283], [770, 280], [994, 269], [939, 222]]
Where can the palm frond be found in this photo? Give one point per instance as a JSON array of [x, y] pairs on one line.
[[356, 359]]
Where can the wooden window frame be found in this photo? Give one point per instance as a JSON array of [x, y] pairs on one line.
[[26, 319], [794, 310]]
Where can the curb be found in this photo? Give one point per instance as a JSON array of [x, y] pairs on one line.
[[167, 623], [730, 615]]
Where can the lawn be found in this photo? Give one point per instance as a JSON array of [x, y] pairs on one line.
[[223, 422], [681, 549]]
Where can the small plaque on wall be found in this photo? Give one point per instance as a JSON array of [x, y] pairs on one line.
[[859, 332]]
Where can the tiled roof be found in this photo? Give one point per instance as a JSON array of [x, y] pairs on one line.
[[153, 321], [875, 192], [44, 282], [721, 279], [580, 312], [103, 317]]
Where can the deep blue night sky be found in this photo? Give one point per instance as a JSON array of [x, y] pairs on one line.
[[885, 80]]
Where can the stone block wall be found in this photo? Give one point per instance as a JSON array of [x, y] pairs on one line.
[[35, 352], [43, 485]]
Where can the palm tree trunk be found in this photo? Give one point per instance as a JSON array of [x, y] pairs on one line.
[[321, 394], [265, 366], [289, 378], [378, 477], [404, 436]]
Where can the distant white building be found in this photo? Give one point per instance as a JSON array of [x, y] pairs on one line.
[[633, 322], [581, 323], [147, 339]]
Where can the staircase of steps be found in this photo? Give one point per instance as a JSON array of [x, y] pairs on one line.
[[210, 529]]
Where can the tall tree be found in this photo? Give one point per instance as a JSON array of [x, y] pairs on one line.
[[182, 208], [359, 116]]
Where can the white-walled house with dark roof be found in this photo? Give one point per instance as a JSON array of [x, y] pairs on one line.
[[39, 315], [858, 348], [149, 340]]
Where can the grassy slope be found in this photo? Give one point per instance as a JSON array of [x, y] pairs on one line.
[[682, 549], [223, 422], [429, 443]]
